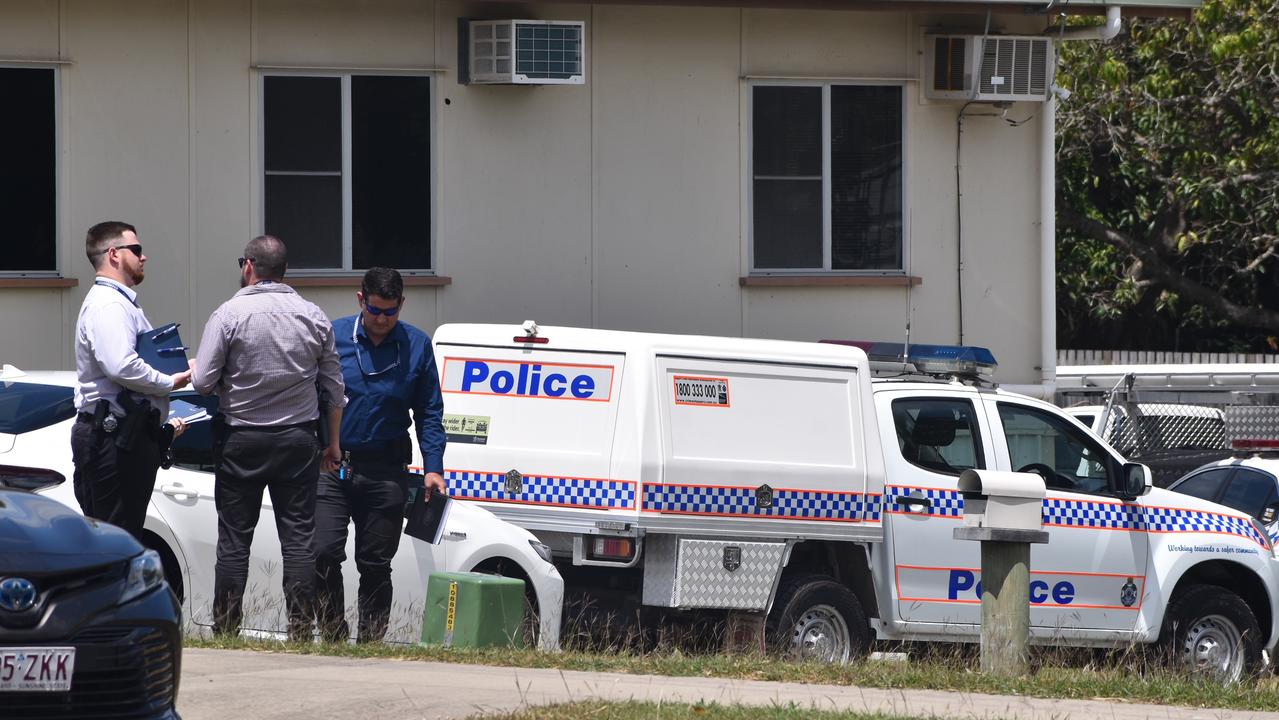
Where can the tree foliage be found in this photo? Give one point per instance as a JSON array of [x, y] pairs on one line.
[[1168, 184]]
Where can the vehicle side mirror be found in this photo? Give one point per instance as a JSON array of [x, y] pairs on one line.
[[1134, 481], [1270, 514]]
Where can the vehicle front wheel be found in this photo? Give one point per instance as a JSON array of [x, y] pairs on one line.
[[816, 618], [1211, 632]]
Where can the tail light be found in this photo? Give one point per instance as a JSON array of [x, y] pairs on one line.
[[612, 548]]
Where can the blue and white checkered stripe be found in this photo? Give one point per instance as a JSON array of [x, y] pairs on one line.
[[740, 501], [544, 490], [1087, 514], [944, 503], [1181, 520]]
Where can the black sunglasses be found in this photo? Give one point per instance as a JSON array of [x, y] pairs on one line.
[[135, 248], [243, 260]]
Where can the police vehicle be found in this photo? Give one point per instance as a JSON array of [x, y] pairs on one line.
[[778, 482]]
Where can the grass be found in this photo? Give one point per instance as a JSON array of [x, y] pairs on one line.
[[1120, 677], [677, 711]]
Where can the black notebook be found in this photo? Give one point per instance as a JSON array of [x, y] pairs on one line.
[[427, 518]]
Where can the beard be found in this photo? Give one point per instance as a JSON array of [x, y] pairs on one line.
[[137, 275]]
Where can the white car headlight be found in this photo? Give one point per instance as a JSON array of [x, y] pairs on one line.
[[542, 549], [146, 573]]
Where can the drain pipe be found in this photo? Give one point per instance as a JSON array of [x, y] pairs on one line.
[[1048, 215]]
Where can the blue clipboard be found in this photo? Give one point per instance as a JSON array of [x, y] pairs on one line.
[[162, 349]]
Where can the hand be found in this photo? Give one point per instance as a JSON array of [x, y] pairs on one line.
[[181, 379], [179, 427], [433, 482], [331, 459]]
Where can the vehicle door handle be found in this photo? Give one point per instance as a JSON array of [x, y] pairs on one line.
[[923, 503], [179, 492]]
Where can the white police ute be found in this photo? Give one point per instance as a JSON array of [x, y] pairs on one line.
[[780, 482]]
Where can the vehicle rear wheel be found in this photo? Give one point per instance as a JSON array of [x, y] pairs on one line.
[[816, 618], [1211, 633]]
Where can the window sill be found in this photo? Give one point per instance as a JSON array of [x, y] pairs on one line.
[[38, 282], [355, 280], [830, 280]]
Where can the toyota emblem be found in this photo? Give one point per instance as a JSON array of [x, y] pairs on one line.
[[17, 594]]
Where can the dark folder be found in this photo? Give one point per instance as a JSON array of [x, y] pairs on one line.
[[162, 349], [426, 518]]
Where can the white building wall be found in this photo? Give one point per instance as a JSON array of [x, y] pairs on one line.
[[618, 204]]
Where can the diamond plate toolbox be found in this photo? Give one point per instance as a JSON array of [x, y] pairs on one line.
[[718, 574], [1252, 422]]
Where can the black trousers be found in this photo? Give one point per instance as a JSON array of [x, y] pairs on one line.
[[112, 484], [286, 462], [373, 496]]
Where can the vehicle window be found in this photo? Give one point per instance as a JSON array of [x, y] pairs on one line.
[[25, 407], [1085, 419], [1249, 491], [938, 435], [1205, 485], [1047, 444], [194, 450]]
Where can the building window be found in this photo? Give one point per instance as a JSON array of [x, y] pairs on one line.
[[826, 186], [28, 174], [347, 169]]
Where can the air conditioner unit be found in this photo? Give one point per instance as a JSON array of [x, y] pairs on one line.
[[988, 68], [522, 52]]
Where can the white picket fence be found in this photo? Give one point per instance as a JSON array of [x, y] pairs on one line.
[[1151, 357]]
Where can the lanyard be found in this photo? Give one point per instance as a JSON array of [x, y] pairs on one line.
[[118, 289]]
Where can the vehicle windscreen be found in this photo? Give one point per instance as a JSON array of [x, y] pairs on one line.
[[29, 406]]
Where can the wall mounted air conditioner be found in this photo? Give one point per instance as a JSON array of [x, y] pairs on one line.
[[522, 52], [989, 68]]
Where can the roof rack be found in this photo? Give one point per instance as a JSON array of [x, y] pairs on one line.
[[962, 362]]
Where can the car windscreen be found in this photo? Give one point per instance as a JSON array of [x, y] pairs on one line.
[[30, 406]]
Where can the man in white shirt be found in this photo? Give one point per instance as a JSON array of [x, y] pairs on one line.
[[119, 437]]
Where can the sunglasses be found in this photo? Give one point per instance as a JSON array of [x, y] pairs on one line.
[[389, 312], [135, 248], [243, 260]]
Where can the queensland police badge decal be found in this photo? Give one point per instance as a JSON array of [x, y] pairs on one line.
[[514, 482], [1128, 595], [732, 558]]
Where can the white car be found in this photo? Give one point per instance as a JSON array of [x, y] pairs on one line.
[[1248, 483], [36, 413]]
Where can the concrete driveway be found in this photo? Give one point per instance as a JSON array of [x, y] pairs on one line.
[[221, 684]]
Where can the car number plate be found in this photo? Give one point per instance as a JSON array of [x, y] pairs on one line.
[[35, 669]]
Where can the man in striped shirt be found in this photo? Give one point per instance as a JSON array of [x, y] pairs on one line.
[[264, 353]]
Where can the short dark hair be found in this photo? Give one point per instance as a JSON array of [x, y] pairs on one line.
[[98, 240], [270, 257], [386, 283]]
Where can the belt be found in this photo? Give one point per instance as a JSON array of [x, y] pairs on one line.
[[311, 425], [109, 423]]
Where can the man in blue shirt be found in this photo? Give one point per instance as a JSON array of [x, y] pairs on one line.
[[389, 370]]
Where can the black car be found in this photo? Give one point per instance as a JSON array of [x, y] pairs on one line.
[[88, 626]]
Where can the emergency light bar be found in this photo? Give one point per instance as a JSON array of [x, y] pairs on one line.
[[967, 361]]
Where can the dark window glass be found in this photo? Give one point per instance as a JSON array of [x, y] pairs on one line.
[[1046, 444], [1205, 485], [303, 124], [28, 183], [391, 177], [1249, 491], [303, 151], [305, 211], [866, 177], [938, 435], [787, 192]]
